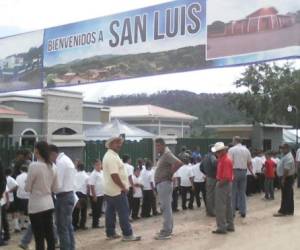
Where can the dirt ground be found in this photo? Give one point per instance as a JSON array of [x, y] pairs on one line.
[[259, 230]]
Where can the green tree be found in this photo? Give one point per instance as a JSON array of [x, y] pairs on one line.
[[269, 90]]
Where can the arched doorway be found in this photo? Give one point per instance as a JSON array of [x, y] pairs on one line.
[[28, 138]]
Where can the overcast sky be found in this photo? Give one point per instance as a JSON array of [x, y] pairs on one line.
[[27, 15]]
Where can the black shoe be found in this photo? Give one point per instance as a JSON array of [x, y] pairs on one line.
[[6, 238], [230, 229], [218, 231], [243, 215], [97, 227]]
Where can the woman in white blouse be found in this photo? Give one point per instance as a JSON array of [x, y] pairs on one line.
[[41, 183]]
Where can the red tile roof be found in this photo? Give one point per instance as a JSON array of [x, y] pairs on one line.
[[264, 12], [10, 111]]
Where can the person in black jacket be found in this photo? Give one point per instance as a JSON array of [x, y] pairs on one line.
[[208, 166]]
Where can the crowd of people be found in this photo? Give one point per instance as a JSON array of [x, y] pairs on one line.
[[47, 195]]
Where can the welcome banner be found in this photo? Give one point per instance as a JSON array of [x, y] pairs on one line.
[[178, 36]]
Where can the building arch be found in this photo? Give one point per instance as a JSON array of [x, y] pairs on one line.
[[64, 131], [28, 137]]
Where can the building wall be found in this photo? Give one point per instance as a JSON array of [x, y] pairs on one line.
[[91, 114], [167, 127], [104, 116], [63, 108], [275, 135]]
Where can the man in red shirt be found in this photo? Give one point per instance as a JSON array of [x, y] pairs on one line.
[[269, 169], [224, 213]]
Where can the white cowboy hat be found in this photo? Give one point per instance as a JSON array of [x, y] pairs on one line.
[[110, 140], [218, 147]]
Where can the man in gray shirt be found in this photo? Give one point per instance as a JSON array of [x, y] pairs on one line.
[[167, 165], [286, 171], [241, 159]]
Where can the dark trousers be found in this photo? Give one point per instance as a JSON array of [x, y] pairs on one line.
[[260, 182], [184, 192], [287, 196], [130, 199], [175, 199], [96, 210], [298, 176], [251, 185], [5, 224], [136, 203], [42, 227], [200, 187], [148, 203], [80, 210]]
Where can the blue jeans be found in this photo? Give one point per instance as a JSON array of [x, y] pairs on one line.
[[117, 204], [27, 237], [239, 191], [64, 210]]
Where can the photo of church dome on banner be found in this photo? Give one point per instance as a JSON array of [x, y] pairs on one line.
[[261, 31]]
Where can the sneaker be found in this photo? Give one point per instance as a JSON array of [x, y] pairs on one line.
[[163, 236], [131, 238], [230, 229], [113, 237], [22, 246]]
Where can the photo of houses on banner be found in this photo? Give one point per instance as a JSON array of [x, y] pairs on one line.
[[21, 61], [246, 31]]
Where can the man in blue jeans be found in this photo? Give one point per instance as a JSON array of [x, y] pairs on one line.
[[116, 185], [241, 159], [65, 198], [167, 165]]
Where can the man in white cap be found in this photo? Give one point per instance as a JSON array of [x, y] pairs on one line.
[[116, 186], [224, 213]]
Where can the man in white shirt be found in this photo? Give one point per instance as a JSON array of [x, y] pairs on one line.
[[298, 167], [186, 180], [81, 189], [22, 196], [96, 193], [199, 182], [138, 193], [257, 164], [12, 188], [241, 159], [116, 186], [129, 169], [148, 191], [65, 199]]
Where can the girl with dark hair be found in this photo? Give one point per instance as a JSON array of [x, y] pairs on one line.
[[41, 183]]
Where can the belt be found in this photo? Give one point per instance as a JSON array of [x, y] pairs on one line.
[[63, 194], [240, 169]]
